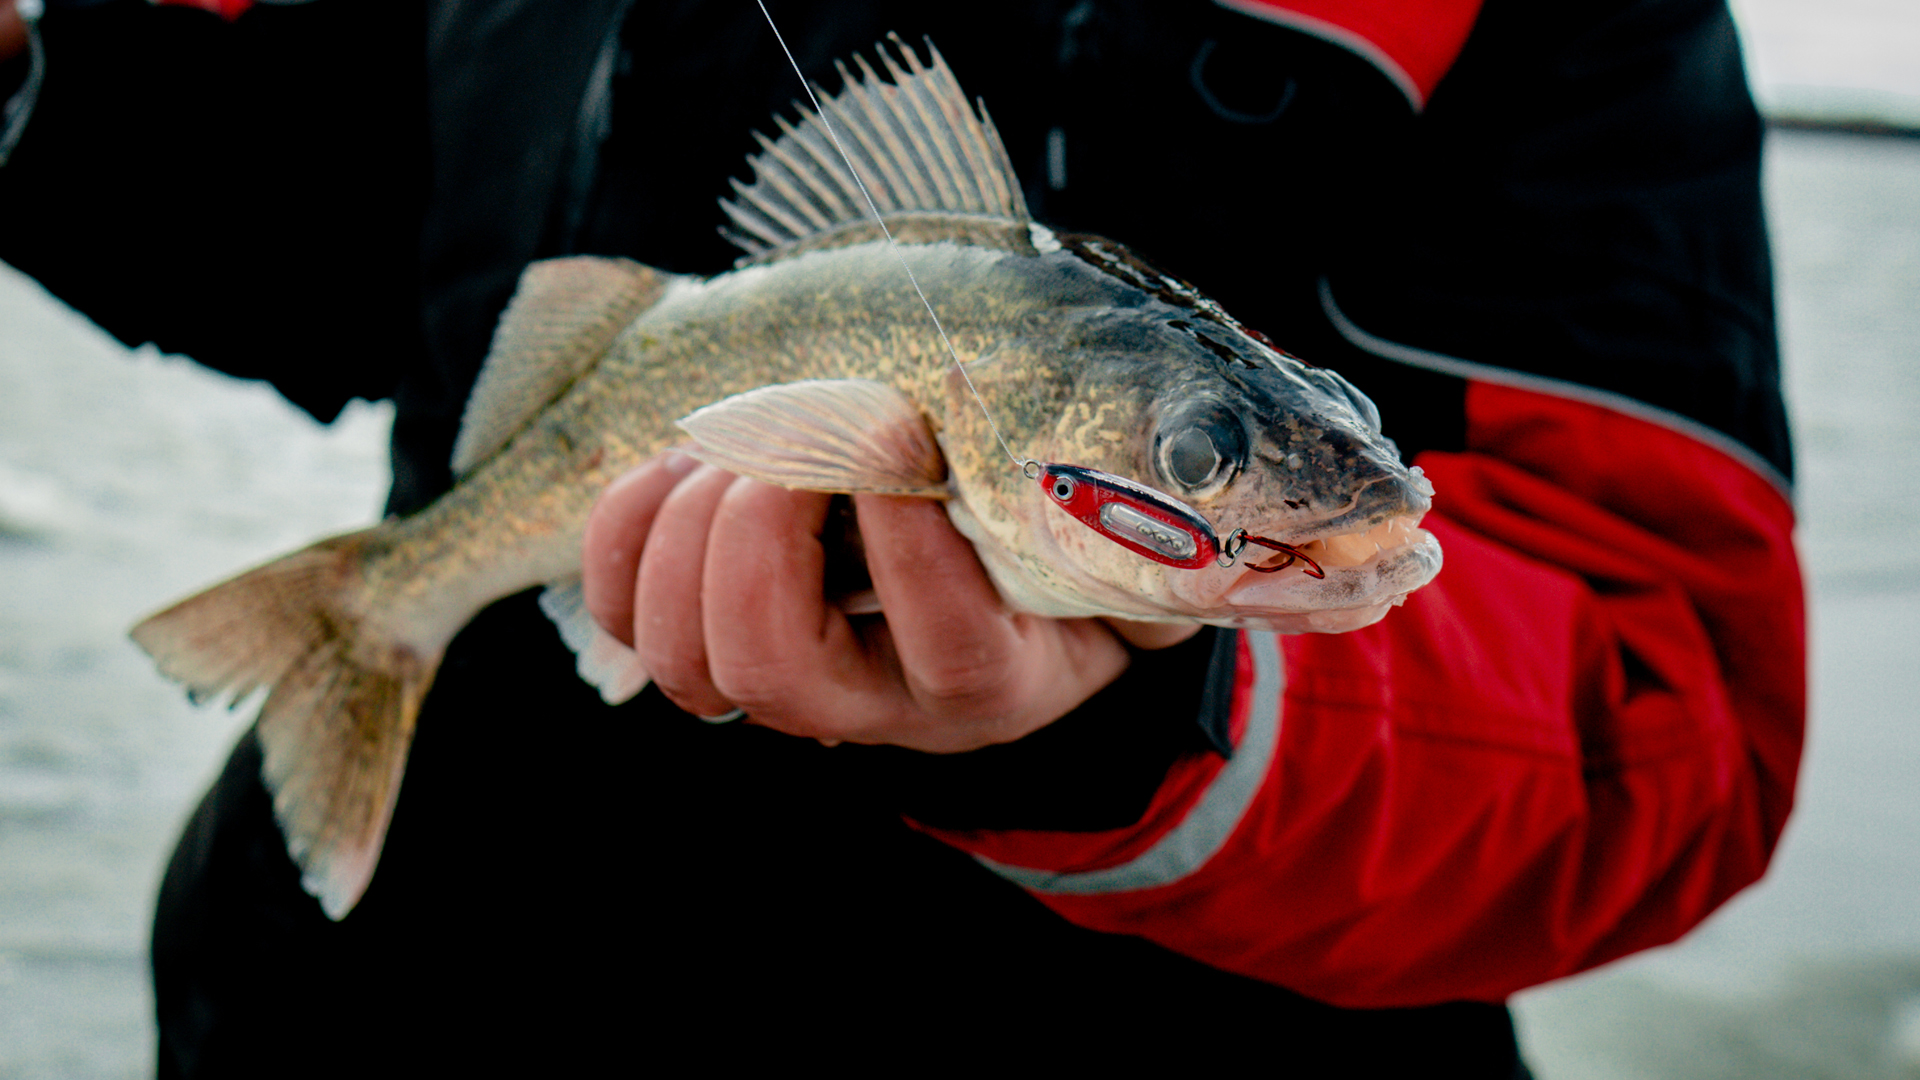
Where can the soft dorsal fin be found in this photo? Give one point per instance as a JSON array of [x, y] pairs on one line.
[[564, 314], [918, 146]]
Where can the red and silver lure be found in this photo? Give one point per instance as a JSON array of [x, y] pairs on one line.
[[1152, 523]]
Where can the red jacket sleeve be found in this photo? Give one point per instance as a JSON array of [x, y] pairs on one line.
[[1577, 742]]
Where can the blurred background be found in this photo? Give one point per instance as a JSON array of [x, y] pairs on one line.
[[130, 478]]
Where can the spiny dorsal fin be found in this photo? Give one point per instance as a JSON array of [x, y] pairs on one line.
[[564, 314], [918, 146]]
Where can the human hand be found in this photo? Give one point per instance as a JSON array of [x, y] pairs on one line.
[[718, 583]]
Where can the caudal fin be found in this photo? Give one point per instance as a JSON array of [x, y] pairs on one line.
[[341, 700]]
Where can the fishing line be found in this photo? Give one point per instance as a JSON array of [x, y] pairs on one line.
[[1026, 465]]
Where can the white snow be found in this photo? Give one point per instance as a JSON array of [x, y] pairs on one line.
[[1834, 59], [127, 479]]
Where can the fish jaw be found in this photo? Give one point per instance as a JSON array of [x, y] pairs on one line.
[[1068, 570], [1344, 571], [1366, 574]]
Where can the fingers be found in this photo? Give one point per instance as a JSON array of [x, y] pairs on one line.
[[789, 658], [956, 639], [971, 665], [719, 584], [615, 534], [668, 635]]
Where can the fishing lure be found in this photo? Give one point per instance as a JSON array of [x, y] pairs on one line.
[[1152, 523]]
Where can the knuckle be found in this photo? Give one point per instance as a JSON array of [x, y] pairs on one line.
[[968, 684], [677, 664], [771, 685], [789, 694]]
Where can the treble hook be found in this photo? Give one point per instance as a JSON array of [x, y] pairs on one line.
[[1238, 539]]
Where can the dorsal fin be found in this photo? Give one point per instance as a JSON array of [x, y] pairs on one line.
[[918, 146], [563, 316]]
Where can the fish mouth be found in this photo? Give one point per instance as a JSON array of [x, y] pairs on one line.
[[1362, 574], [1342, 551]]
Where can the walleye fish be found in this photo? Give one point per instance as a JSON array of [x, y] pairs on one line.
[[814, 365]]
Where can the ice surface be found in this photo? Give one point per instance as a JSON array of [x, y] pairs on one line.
[[126, 480]]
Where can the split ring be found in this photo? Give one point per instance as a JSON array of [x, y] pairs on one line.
[[1231, 547]]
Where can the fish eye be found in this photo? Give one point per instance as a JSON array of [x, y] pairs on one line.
[[1192, 458], [1202, 452]]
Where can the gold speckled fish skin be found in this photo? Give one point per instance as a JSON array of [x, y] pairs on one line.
[[847, 312]]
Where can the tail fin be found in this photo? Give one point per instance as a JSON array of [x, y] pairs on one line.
[[340, 708]]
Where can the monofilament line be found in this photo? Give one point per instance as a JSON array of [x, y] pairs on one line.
[[874, 209]]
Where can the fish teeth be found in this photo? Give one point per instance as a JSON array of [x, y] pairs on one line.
[[1355, 548]]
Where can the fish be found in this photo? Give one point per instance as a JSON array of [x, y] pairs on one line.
[[1063, 368]]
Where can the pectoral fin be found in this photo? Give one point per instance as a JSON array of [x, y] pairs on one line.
[[840, 435]]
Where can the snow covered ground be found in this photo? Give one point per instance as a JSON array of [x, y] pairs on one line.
[[129, 479], [126, 480]]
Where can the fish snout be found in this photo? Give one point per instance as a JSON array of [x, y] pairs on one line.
[[1336, 478], [1394, 491]]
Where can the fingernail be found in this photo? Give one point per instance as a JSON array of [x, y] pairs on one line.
[[727, 717], [679, 462]]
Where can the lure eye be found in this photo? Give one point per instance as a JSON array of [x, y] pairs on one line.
[[1063, 488]]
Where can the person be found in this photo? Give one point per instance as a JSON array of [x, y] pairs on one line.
[[1532, 234]]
